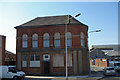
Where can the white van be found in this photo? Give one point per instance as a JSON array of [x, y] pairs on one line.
[[10, 72]]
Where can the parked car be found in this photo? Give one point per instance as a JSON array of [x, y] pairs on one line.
[[117, 66], [10, 72], [109, 71]]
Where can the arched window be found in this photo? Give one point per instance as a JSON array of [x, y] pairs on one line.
[[57, 39], [35, 40], [69, 39], [46, 40], [82, 39], [25, 41]]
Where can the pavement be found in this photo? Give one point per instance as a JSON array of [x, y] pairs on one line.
[[63, 78], [96, 74], [96, 68]]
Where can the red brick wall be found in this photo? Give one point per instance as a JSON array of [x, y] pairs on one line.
[[100, 62], [10, 59], [36, 70], [75, 30]]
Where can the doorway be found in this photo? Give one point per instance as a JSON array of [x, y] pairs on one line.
[[46, 68]]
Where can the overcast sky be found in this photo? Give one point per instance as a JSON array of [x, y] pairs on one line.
[[97, 15]]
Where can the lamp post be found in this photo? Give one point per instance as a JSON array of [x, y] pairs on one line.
[[97, 51], [95, 31], [66, 23]]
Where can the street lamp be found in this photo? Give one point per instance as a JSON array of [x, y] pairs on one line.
[[95, 31], [97, 50], [66, 43]]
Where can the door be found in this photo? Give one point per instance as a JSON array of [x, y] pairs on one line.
[[46, 67]]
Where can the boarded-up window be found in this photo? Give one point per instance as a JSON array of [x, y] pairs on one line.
[[58, 60], [70, 60]]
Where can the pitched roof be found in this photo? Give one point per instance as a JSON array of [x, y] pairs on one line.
[[50, 20], [8, 52], [113, 53]]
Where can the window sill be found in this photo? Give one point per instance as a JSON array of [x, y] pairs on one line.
[[34, 67]]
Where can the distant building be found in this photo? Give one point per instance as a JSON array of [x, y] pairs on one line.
[[106, 47], [103, 62], [41, 46], [107, 50], [10, 58], [6, 57], [102, 55], [96, 53]]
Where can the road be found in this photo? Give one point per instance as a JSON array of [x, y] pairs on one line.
[[98, 72]]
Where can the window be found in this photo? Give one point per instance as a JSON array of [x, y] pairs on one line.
[[35, 60], [12, 69], [24, 60], [57, 39], [82, 40], [32, 58], [24, 41], [58, 60], [35, 40], [37, 57], [69, 39], [46, 40]]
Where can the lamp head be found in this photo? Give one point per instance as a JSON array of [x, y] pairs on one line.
[[77, 15], [98, 30]]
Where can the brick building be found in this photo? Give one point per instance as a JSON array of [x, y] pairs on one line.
[[100, 62], [2, 49], [6, 57], [10, 58], [40, 46], [104, 55]]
